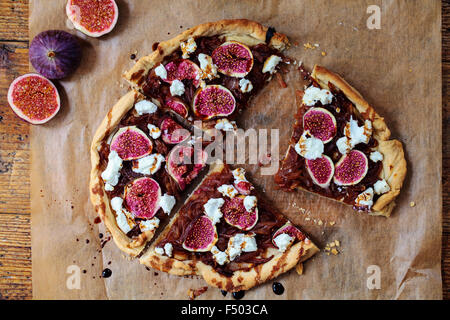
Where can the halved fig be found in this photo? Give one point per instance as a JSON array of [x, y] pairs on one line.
[[131, 143], [233, 59], [182, 69], [34, 98], [351, 168], [172, 132], [201, 235], [177, 106], [142, 197], [321, 170], [236, 215], [93, 17], [182, 166], [213, 101], [320, 123], [244, 187], [289, 229]]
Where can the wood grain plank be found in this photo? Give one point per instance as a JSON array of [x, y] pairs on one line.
[[14, 20]]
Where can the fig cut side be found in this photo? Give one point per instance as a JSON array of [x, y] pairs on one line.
[[142, 197], [201, 235], [173, 132], [233, 59], [320, 123], [177, 106], [34, 98], [213, 101], [351, 168], [93, 17], [182, 166], [183, 69], [321, 170], [131, 143], [289, 229], [236, 215], [244, 187]]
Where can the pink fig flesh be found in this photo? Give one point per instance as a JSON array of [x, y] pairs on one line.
[[142, 197], [289, 229], [34, 98], [244, 187], [131, 143], [93, 18], [320, 123], [184, 164], [321, 170], [177, 106], [201, 235], [213, 101], [236, 215], [183, 69], [233, 59], [172, 132], [351, 168]]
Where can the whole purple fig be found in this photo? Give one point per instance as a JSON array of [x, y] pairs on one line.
[[55, 54]]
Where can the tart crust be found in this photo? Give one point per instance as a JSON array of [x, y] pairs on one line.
[[394, 163], [245, 31], [241, 279]]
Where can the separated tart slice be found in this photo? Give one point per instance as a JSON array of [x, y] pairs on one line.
[[340, 148], [228, 234], [141, 163], [211, 71]]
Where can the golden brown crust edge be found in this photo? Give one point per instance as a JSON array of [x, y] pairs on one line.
[[96, 186], [241, 280], [394, 163], [242, 30]]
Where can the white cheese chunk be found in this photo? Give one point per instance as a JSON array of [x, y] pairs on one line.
[[220, 256], [309, 147], [187, 47], [111, 174], [313, 94], [283, 241], [167, 202], [144, 107], [168, 248], [240, 243], [161, 71], [376, 156], [225, 125], [239, 174], [381, 186], [155, 132], [150, 164], [149, 225], [209, 69], [227, 190], [159, 251], [343, 145], [365, 199], [250, 203], [177, 88], [123, 218], [270, 64], [212, 209], [245, 85]]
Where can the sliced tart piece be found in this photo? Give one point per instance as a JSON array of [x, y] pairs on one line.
[[135, 178], [234, 240], [211, 71], [340, 148]]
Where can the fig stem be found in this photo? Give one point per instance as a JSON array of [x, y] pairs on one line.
[[51, 54]]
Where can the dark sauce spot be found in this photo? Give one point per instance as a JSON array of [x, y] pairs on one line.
[[156, 273], [84, 271], [155, 46], [97, 220], [109, 262], [87, 240], [224, 293], [132, 56], [100, 235], [277, 288], [269, 34], [106, 273], [239, 295]]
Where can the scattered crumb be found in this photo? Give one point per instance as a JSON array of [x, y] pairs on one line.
[[320, 222], [410, 70], [331, 248], [332, 223], [194, 293], [324, 53], [309, 46], [412, 204], [307, 218], [334, 251], [299, 269]]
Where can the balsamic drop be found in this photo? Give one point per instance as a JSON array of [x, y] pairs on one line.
[[224, 293], [239, 295], [277, 288], [106, 273]]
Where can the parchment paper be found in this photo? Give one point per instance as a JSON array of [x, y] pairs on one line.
[[397, 69]]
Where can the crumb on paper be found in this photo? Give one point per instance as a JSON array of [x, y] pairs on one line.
[[412, 204], [324, 53], [320, 222], [332, 223], [194, 293], [410, 70], [309, 46], [299, 268], [331, 248], [307, 218]]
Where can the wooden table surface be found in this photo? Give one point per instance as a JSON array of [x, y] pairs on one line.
[[15, 217]]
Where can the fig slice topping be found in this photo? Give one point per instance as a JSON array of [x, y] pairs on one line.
[[201, 235], [213, 101], [236, 215], [320, 123], [131, 143], [184, 164], [173, 132], [142, 197], [178, 106], [183, 69], [93, 17], [244, 187], [233, 59], [285, 241], [351, 168], [321, 170], [34, 98]]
